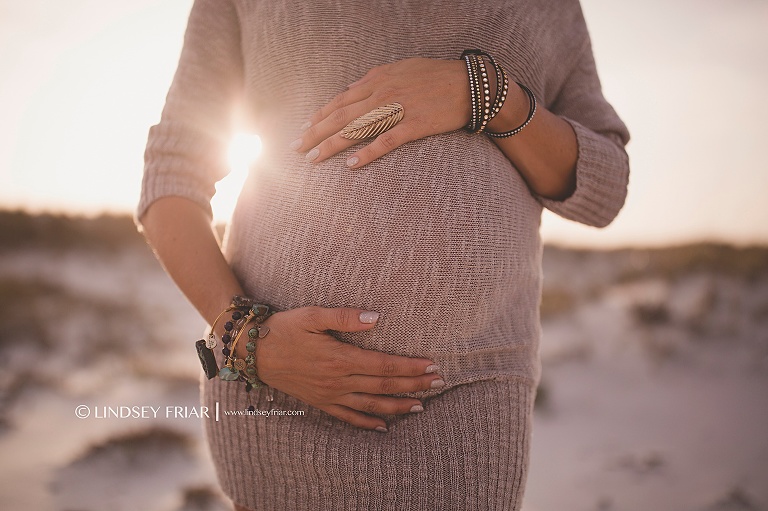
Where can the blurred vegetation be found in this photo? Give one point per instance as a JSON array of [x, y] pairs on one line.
[[20, 230], [670, 262], [203, 498], [667, 263], [20, 305], [130, 447], [651, 313], [24, 301], [556, 301]]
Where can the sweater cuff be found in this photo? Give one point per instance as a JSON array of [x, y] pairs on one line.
[[181, 162], [602, 175], [170, 186]]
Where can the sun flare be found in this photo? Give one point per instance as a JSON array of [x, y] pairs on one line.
[[244, 150]]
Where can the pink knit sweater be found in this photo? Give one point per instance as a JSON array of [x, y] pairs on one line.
[[441, 236]]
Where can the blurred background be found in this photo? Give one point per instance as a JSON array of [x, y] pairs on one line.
[[665, 311]]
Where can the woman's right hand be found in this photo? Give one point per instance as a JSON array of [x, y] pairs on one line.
[[299, 357]]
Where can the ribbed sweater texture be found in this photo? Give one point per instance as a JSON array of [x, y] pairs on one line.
[[441, 235]]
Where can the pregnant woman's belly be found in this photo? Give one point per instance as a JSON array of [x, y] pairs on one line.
[[440, 237]]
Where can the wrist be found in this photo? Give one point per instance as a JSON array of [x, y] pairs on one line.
[[514, 111], [217, 301], [463, 92]]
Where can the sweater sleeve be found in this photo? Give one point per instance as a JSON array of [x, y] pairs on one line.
[[602, 165], [186, 150]]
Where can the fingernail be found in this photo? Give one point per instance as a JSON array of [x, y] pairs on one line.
[[381, 429], [436, 384], [369, 317], [305, 126], [314, 153], [417, 408], [293, 146], [352, 161], [432, 368]]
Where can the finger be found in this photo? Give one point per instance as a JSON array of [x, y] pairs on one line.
[[340, 319], [361, 81], [355, 418], [377, 363], [393, 384], [381, 405], [384, 143], [341, 100], [329, 147], [331, 125], [370, 75]]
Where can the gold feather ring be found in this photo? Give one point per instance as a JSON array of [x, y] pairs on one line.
[[373, 123]]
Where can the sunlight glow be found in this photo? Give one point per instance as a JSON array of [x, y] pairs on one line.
[[244, 150]]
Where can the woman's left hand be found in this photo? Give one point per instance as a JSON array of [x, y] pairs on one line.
[[434, 95]]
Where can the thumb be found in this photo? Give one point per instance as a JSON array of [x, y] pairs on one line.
[[341, 319]]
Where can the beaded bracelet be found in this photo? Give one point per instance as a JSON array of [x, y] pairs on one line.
[[259, 314], [244, 312], [233, 329], [205, 347]]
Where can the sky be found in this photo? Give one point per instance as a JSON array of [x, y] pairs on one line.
[[81, 81]]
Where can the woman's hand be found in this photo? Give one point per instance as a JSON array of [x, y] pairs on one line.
[[434, 95], [299, 357]]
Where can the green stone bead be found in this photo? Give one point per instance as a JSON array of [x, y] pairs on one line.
[[250, 359], [250, 347], [253, 333], [228, 374], [250, 370]]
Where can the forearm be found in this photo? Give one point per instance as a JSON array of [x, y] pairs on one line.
[[184, 241], [544, 153]]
